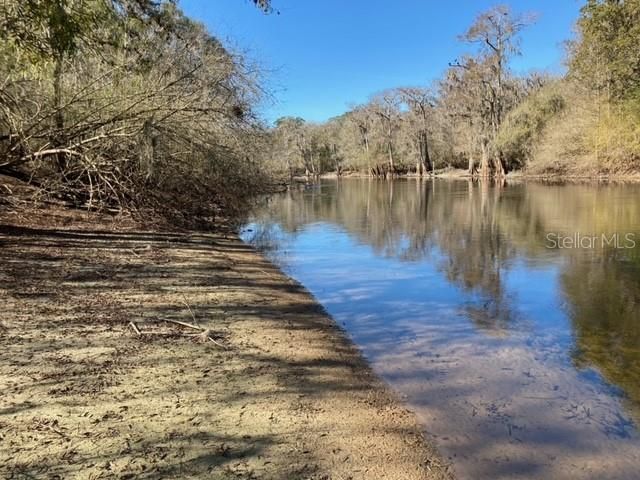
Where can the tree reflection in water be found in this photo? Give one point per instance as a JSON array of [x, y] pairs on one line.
[[474, 233]]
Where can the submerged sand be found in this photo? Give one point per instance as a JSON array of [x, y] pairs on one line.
[[278, 392]]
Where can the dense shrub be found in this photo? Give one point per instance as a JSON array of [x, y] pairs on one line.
[[128, 104], [523, 126]]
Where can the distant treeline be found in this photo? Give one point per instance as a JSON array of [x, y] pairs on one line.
[[482, 117], [128, 104]]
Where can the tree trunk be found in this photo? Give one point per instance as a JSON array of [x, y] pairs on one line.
[[58, 139], [498, 168], [290, 169], [472, 164], [148, 145], [485, 169], [423, 155], [426, 157]]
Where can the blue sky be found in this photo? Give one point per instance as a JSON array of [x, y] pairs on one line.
[[324, 55]]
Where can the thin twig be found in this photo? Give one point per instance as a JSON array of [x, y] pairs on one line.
[[184, 324], [135, 328], [190, 311], [195, 327], [217, 343]]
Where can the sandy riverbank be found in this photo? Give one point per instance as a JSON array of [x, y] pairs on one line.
[[278, 393]]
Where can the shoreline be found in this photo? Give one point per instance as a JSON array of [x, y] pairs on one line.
[[279, 391], [457, 174]]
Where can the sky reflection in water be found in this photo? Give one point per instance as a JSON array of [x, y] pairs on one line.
[[521, 361]]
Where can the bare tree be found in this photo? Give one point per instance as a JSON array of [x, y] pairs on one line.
[[495, 32], [386, 107], [127, 104], [421, 102]]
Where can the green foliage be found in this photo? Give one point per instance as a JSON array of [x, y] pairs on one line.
[[419, 129], [54, 28], [606, 54], [598, 130], [523, 126]]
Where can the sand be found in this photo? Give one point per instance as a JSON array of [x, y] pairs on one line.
[[274, 390]]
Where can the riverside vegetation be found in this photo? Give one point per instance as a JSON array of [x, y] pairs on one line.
[[129, 104], [484, 118]]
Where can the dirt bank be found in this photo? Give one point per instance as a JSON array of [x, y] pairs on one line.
[[273, 390]]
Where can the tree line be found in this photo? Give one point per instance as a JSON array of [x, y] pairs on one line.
[[128, 104], [484, 118]]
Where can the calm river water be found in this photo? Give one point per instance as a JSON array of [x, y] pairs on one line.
[[508, 317]]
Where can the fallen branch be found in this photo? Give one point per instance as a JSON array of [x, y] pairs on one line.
[[206, 335], [203, 337], [184, 324], [135, 328], [217, 343], [44, 153]]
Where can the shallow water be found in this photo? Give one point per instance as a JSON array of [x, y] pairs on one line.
[[518, 351]]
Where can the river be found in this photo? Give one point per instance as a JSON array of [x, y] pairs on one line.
[[507, 316]]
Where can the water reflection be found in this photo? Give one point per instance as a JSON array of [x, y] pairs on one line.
[[603, 299], [523, 361]]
